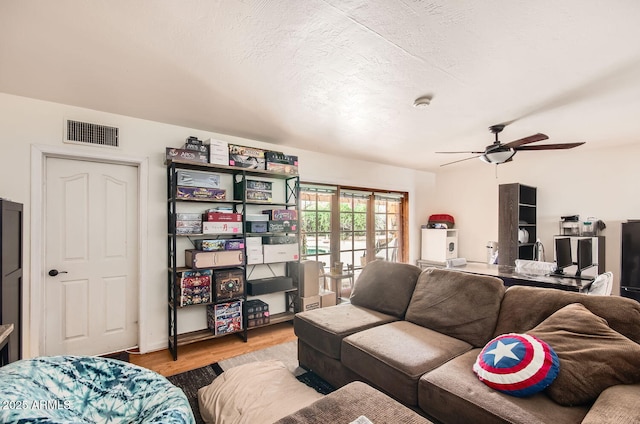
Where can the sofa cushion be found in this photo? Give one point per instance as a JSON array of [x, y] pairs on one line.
[[452, 394], [323, 329], [517, 364], [592, 355], [458, 304], [385, 287], [394, 356], [621, 314], [350, 402], [612, 406]]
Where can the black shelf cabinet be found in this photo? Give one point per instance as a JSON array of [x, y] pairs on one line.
[[292, 192], [517, 214], [11, 269]]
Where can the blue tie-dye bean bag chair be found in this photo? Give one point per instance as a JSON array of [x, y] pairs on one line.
[[84, 389]]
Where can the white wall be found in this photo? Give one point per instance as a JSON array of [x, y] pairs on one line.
[[583, 181], [24, 122], [589, 182]]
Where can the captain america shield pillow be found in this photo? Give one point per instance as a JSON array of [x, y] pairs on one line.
[[517, 364]]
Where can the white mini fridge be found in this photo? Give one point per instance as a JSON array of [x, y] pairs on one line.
[[438, 245]]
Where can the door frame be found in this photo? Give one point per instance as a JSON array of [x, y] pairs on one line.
[[39, 156]]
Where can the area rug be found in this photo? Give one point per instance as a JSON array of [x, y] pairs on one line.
[[121, 356], [285, 352], [191, 381]]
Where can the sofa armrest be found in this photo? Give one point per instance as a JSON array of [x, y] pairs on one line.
[[616, 405]]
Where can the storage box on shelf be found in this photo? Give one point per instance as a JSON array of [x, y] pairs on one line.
[[269, 285], [218, 152], [246, 157], [256, 313], [188, 178], [229, 283], [255, 190], [279, 162], [195, 287], [186, 155], [220, 242], [225, 318], [199, 259], [272, 239]]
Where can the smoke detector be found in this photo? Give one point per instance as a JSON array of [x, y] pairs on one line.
[[422, 102]]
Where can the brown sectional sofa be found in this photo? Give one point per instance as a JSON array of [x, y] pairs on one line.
[[415, 335], [350, 402]]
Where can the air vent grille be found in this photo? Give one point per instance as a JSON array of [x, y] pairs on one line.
[[86, 133]]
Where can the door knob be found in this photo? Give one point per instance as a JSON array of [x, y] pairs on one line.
[[54, 272]]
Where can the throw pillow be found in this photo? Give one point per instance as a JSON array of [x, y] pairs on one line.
[[592, 355], [517, 364], [459, 304], [385, 287]]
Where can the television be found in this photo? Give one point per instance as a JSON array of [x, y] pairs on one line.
[[563, 254], [585, 255]]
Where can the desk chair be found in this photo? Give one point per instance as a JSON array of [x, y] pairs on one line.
[[351, 272], [602, 285], [336, 279]]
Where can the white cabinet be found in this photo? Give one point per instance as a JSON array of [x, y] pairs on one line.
[[438, 245]]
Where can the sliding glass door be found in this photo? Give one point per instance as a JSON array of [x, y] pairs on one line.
[[354, 220], [316, 207], [352, 226], [388, 228]]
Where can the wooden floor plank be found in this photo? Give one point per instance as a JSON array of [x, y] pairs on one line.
[[199, 354]]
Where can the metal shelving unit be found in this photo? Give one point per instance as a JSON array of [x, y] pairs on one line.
[[292, 191]]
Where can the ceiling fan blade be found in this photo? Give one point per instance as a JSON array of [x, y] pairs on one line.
[[461, 160], [506, 123], [526, 140], [471, 153], [550, 146], [614, 79]]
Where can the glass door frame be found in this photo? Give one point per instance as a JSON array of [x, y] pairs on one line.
[[335, 231]]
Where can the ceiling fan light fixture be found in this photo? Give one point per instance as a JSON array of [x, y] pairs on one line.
[[497, 156]]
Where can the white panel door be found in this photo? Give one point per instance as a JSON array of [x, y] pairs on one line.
[[91, 303]]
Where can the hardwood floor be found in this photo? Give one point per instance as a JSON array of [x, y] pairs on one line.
[[199, 354]]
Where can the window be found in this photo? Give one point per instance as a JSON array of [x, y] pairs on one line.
[[354, 211], [388, 226], [352, 225], [315, 204]]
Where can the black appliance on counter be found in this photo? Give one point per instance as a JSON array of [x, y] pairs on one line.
[[630, 267]]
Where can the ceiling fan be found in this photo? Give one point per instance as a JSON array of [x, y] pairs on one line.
[[500, 153]]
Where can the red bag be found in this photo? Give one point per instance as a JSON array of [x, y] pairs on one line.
[[441, 219]]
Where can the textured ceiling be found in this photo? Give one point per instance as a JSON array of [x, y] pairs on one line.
[[340, 76]]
